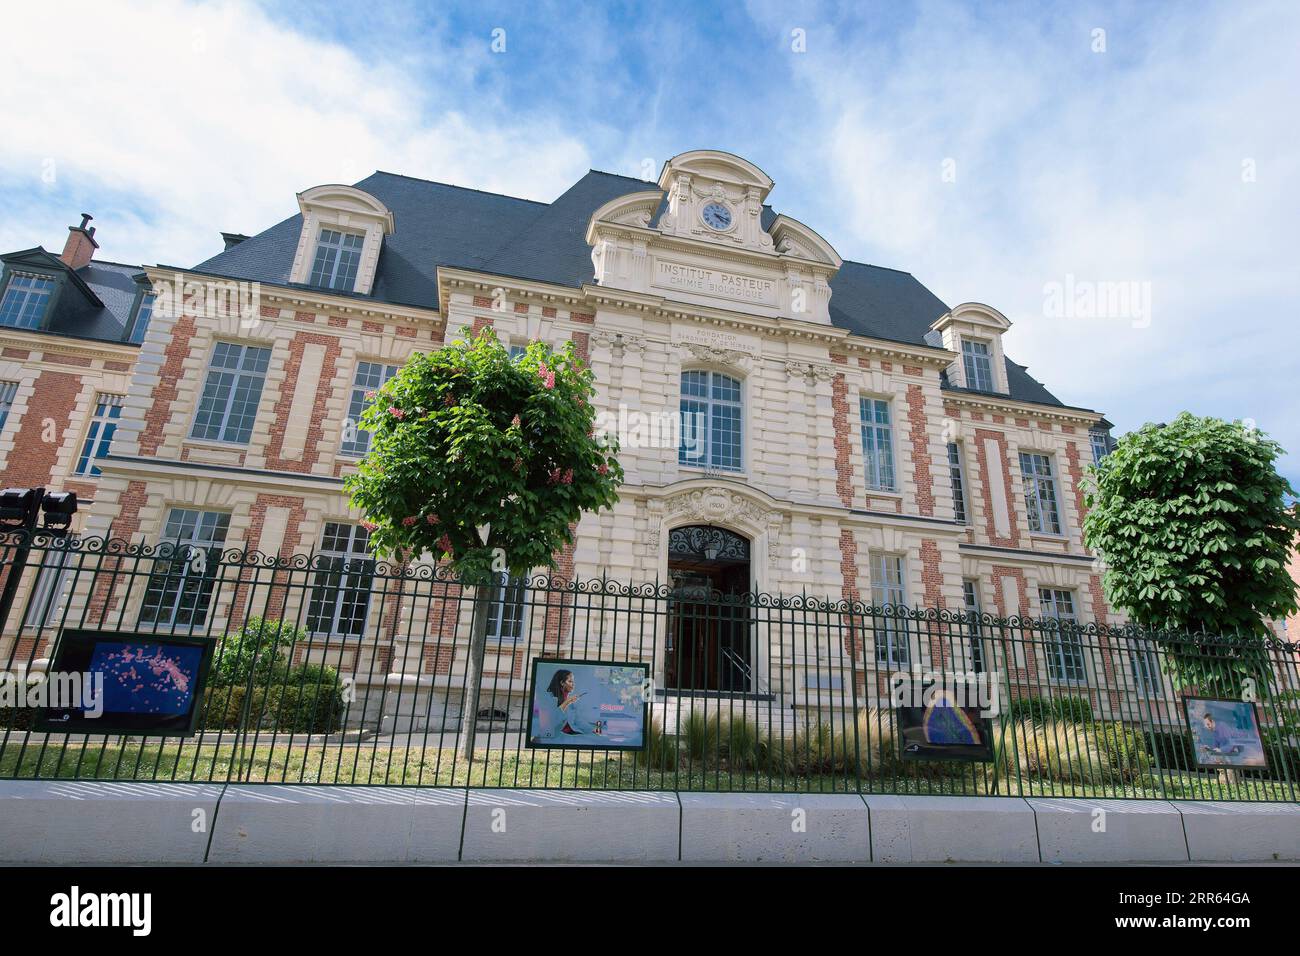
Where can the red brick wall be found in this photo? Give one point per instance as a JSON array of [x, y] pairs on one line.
[[1076, 478], [840, 418], [282, 410], [168, 387], [982, 434], [32, 460], [920, 451]]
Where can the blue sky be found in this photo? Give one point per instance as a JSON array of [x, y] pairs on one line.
[[993, 152]]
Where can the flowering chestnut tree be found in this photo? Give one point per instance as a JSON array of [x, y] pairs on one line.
[[486, 462], [482, 460]]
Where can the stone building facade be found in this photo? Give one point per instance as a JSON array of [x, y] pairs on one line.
[[859, 437]]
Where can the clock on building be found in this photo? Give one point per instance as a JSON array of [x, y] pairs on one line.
[[716, 216]]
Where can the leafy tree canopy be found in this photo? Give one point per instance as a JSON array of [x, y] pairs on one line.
[[1193, 522], [466, 438]]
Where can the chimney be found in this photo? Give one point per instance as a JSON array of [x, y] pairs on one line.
[[81, 245]]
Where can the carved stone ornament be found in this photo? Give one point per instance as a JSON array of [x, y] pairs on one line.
[[717, 506], [719, 356], [809, 372], [617, 342]]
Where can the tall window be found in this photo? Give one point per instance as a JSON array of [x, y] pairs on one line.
[[25, 300], [340, 594], [369, 377], [711, 421], [7, 392], [231, 392], [1145, 668], [506, 615], [517, 352], [1063, 648], [1100, 445], [958, 483], [979, 368], [1040, 493], [99, 437], [337, 256], [887, 588], [45, 608], [180, 586], [971, 600], [142, 317], [877, 443]]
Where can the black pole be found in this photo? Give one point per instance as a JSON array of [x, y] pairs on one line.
[[26, 531]]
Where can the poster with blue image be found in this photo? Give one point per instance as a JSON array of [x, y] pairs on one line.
[[591, 705]]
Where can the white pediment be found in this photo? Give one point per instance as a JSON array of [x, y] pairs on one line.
[[709, 245]]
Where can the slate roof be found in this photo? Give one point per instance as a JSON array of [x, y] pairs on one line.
[[79, 316], [443, 225]]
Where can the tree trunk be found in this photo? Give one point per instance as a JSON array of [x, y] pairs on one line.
[[474, 669]]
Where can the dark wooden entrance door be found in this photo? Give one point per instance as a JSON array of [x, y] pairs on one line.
[[709, 638]]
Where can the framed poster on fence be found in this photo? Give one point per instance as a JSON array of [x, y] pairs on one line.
[[1225, 733], [591, 705], [942, 722], [110, 682]]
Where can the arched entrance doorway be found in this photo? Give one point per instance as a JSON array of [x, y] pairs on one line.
[[709, 646]]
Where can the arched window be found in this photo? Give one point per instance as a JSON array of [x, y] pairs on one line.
[[712, 421]]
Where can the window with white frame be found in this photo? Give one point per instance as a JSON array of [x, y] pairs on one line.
[[978, 365], [958, 475], [1063, 648], [231, 392], [46, 606], [1100, 443], [1040, 493], [181, 583], [338, 254], [7, 392], [877, 443], [517, 352], [370, 376], [507, 611], [142, 316], [970, 593], [1144, 665], [711, 421], [340, 595], [25, 300], [887, 589], [99, 436]]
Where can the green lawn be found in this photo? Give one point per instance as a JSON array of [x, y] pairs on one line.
[[371, 763]]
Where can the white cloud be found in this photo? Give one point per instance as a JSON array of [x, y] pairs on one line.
[[1124, 165], [174, 122]]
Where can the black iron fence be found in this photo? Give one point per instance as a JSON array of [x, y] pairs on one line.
[[334, 668]]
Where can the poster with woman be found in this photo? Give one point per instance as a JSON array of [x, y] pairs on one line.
[[1225, 733], [595, 705]]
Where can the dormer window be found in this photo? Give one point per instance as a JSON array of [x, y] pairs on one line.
[[977, 365], [974, 333], [26, 299], [337, 257], [1100, 441], [143, 313], [343, 230]]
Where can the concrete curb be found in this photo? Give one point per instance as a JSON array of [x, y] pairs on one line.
[[1097, 831], [773, 827], [326, 824], [952, 829], [104, 822], [571, 826], [1240, 832], [99, 822]]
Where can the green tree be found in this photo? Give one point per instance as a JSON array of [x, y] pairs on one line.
[[1193, 523], [486, 462]]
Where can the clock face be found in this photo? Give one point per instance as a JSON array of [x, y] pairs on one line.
[[716, 216]]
